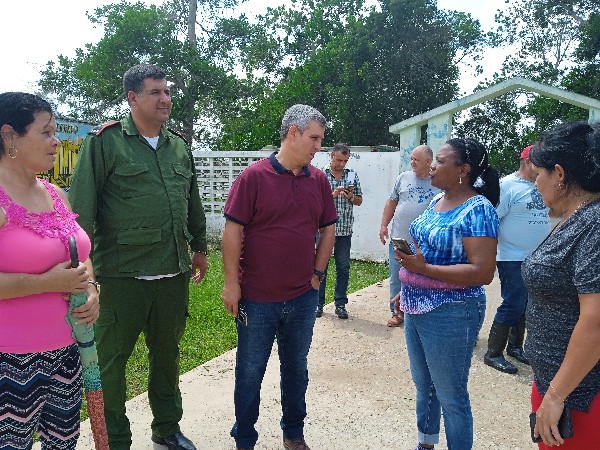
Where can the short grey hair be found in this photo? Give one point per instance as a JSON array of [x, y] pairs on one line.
[[426, 150], [300, 115]]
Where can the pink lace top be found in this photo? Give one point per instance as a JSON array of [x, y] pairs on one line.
[[34, 243]]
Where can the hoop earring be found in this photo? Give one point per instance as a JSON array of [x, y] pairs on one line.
[[459, 180], [16, 152]]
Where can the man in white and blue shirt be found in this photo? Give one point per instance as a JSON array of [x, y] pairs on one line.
[[347, 194], [524, 224], [411, 194]]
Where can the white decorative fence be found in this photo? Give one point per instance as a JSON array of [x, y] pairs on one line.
[[376, 171]]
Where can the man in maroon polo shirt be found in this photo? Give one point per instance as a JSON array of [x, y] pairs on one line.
[[272, 271]]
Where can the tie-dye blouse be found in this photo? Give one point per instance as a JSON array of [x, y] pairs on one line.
[[440, 237]]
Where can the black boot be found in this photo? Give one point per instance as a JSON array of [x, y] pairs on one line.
[[516, 336], [494, 357]]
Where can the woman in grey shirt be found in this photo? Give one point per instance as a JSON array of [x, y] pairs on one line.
[[563, 279]]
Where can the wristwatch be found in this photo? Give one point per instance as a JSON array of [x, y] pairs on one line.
[[95, 284], [320, 275]]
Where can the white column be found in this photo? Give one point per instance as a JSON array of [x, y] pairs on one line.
[[410, 137], [439, 129]]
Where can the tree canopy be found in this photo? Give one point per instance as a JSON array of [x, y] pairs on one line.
[[364, 67], [233, 77], [556, 42]]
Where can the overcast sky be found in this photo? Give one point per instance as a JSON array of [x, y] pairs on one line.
[[34, 32]]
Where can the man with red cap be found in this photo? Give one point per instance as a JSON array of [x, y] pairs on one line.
[[524, 223]]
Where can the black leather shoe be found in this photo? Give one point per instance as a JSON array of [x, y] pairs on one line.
[[517, 353], [498, 362], [176, 441], [341, 312], [319, 312]]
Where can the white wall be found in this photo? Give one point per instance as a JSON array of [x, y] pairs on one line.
[[377, 172]]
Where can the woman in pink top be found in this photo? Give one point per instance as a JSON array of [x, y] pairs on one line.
[[40, 371]]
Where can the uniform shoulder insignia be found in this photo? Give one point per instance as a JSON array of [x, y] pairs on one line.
[[99, 129], [179, 134]]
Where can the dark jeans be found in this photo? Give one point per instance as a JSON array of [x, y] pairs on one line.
[[513, 291], [291, 323], [341, 255]]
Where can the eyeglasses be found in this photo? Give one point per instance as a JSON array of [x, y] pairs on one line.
[[242, 316]]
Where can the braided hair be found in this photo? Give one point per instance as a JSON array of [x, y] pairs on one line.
[[483, 177]]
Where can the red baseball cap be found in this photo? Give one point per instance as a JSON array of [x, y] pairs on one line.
[[525, 152]]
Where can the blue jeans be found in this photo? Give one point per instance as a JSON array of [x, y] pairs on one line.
[[395, 283], [440, 346], [513, 291], [341, 255], [291, 323]]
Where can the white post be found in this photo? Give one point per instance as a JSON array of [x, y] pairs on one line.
[[439, 129], [410, 137]]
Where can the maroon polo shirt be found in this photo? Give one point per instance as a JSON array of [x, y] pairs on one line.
[[281, 214]]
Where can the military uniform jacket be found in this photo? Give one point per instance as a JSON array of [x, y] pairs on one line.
[[141, 207]]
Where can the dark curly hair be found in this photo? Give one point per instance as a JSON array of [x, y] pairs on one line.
[[575, 146], [18, 110], [483, 177]]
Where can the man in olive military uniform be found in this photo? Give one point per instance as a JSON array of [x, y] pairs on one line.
[[135, 190]]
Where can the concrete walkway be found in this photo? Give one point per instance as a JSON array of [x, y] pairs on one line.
[[361, 395]]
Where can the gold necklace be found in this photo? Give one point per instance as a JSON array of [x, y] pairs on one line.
[[585, 202]]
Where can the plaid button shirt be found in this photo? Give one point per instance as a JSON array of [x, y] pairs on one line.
[[344, 207]]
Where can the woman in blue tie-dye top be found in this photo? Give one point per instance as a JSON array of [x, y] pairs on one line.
[[442, 293]]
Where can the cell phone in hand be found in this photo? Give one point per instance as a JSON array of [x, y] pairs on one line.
[[402, 245], [349, 188], [242, 316]]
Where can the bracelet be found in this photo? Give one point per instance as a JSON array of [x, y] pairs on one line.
[[95, 284], [556, 393]]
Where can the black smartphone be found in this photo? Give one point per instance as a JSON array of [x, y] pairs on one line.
[[242, 316], [402, 245], [565, 425]]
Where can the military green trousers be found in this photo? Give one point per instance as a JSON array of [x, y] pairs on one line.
[[129, 307]]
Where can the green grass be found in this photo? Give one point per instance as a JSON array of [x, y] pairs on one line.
[[210, 331]]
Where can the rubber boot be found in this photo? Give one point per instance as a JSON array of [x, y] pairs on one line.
[[516, 336], [494, 357]]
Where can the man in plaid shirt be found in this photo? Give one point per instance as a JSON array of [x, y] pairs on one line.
[[347, 194]]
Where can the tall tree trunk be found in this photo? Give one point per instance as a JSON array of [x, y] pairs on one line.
[[189, 123], [192, 22]]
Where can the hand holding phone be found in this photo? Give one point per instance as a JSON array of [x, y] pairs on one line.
[[402, 245], [349, 189]]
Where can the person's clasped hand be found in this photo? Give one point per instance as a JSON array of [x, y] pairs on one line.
[[341, 191], [89, 312], [546, 420], [63, 278], [415, 263]]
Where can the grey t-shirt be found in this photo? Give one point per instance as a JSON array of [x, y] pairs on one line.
[[413, 194], [562, 267]]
